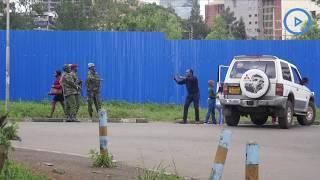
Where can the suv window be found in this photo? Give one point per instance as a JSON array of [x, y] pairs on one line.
[[286, 75], [241, 67], [296, 76]]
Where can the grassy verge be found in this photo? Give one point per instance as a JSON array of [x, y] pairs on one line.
[[14, 171], [115, 109]]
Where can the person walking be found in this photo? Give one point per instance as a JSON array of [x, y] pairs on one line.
[[93, 89], [70, 89], [211, 103], [191, 83], [74, 71], [56, 91]]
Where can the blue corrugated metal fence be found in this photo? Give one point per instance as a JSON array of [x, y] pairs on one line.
[[135, 66]]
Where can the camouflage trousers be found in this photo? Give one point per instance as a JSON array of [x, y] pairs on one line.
[[93, 98], [70, 106], [78, 99]]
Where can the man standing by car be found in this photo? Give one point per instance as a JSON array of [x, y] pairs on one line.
[[191, 83], [93, 89], [70, 89]]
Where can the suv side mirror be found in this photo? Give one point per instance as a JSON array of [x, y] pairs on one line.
[[304, 81]]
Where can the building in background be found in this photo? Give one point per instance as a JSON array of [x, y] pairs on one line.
[[182, 7], [251, 13], [211, 11]]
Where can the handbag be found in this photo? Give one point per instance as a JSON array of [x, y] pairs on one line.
[[54, 91]]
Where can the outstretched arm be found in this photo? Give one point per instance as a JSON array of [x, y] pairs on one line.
[[180, 79]]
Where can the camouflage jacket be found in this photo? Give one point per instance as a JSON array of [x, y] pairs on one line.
[[68, 84], [76, 80], [93, 82]]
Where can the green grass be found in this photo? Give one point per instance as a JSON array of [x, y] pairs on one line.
[[115, 109], [101, 161], [158, 173], [12, 171]]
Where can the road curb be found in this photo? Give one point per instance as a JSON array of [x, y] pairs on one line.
[[110, 120]]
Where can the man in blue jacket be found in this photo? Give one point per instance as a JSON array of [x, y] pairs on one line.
[[191, 83]]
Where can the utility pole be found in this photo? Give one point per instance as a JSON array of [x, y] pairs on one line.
[[7, 108]]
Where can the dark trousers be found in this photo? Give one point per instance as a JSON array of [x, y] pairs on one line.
[[189, 99], [211, 111]]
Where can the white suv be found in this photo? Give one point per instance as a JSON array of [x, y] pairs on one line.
[[262, 86]]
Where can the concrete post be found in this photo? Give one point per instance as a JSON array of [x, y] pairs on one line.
[[252, 161], [221, 155], [103, 132]]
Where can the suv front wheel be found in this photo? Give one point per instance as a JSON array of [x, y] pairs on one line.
[[231, 116], [286, 120], [309, 118]]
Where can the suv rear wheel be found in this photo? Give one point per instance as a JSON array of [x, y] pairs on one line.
[[258, 119], [309, 118], [285, 121], [232, 116]]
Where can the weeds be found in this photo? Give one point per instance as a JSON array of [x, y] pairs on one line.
[[102, 161], [13, 171], [158, 173]]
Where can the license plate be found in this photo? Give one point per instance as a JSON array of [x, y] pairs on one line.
[[250, 103], [234, 90]]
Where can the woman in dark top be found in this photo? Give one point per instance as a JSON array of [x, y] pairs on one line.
[[56, 91]]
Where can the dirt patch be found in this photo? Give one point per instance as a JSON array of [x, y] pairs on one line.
[[68, 167]]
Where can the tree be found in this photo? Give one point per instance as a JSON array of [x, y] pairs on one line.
[[75, 16], [196, 25], [238, 30], [151, 17], [312, 34], [228, 17], [18, 20], [219, 29]]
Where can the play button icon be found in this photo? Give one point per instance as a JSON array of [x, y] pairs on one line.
[[297, 21]]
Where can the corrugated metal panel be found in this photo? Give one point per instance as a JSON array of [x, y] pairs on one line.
[[135, 66]]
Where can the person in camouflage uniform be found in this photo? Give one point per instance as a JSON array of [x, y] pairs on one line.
[[70, 89], [93, 89], [74, 70]]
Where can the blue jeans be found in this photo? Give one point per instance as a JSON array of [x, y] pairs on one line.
[[211, 111], [220, 110]]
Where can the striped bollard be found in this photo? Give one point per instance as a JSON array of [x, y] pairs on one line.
[[103, 132], [221, 155], [252, 161]]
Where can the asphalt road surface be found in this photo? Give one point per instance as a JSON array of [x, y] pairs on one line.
[[284, 154]]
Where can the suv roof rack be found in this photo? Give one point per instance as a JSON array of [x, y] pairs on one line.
[[255, 56]]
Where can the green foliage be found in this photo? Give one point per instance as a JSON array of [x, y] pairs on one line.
[[238, 30], [13, 171], [102, 161], [196, 24], [312, 34], [158, 173], [152, 17], [18, 20], [219, 29], [75, 16]]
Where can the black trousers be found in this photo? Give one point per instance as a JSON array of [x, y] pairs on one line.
[[189, 99]]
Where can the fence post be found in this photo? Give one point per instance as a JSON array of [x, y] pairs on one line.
[[103, 132], [252, 161], [221, 155]]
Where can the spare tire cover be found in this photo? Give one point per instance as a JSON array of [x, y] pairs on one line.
[[254, 83]]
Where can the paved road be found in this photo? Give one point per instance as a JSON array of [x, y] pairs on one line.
[[285, 154]]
